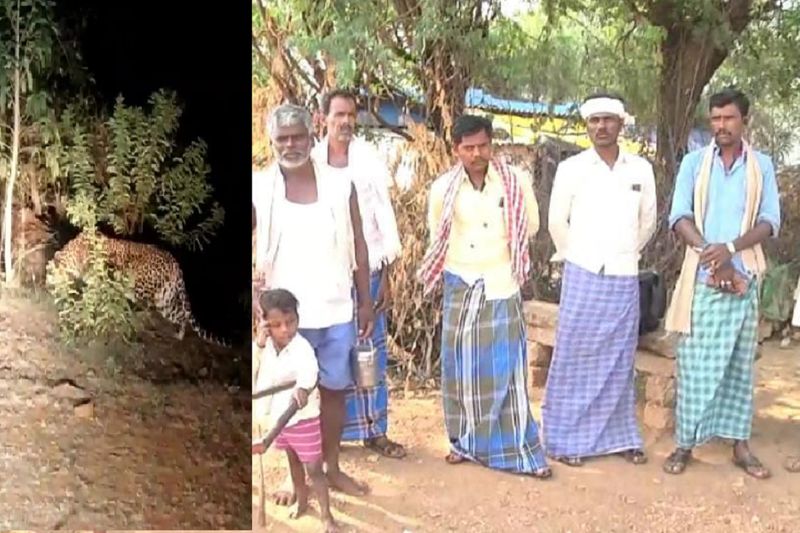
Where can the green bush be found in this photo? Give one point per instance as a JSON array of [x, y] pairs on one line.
[[138, 176], [126, 172], [94, 301]]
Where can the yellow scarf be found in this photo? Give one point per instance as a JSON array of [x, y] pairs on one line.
[[679, 314]]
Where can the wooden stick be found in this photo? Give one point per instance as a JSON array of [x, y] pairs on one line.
[[262, 500], [268, 440], [283, 420], [270, 391], [281, 423]]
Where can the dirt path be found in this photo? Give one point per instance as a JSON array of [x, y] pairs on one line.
[[93, 441], [423, 494]]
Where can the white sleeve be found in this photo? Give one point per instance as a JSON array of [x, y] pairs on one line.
[[306, 365]]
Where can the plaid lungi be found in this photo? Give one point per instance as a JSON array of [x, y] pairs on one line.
[[589, 406], [367, 409], [484, 369], [715, 367]]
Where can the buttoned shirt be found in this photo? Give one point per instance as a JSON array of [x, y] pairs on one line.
[[727, 193], [295, 362], [479, 246], [601, 217]]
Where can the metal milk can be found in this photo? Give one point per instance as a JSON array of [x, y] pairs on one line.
[[364, 362]]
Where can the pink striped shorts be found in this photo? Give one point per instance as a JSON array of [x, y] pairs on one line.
[[304, 438]]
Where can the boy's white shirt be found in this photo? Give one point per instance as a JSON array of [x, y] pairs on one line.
[[296, 362]]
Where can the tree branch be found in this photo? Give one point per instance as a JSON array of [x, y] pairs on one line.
[[261, 55]]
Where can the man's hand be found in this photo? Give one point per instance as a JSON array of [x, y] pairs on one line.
[[300, 395], [726, 279], [384, 296], [715, 255], [366, 321]]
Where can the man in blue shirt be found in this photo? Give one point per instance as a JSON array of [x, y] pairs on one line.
[[724, 206]]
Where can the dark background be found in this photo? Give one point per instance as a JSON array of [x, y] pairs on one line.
[[202, 52]]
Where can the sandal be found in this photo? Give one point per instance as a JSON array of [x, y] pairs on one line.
[[570, 461], [385, 447], [453, 458], [752, 466], [542, 473], [636, 456], [792, 464], [677, 461]]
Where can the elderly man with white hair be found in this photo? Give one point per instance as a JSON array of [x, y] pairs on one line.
[[602, 213], [309, 241]]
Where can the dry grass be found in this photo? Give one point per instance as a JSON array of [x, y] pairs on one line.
[[413, 320], [264, 99]]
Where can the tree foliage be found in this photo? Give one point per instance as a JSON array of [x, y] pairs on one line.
[[765, 64], [26, 41], [131, 166], [126, 172], [428, 48]]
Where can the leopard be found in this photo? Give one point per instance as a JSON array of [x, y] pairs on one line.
[[157, 277]]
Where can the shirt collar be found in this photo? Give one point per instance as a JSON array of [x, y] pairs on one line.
[[491, 176], [274, 350], [739, 153], [595, 159]]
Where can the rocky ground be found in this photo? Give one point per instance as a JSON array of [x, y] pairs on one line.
[[423, 494], [150, 436]]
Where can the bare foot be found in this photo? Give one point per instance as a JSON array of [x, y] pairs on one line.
[[301, 505], [329, 525], [285, 495], [344, 483], [453, 458]]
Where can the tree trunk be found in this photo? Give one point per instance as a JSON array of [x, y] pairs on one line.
[[36, 195], [690, 54], [12, 178], [689, 60], [446, 88], [283, 73]]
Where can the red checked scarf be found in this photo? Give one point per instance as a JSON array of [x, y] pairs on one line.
[[430, 271]]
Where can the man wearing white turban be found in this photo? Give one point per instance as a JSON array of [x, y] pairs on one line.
[[602, 213]]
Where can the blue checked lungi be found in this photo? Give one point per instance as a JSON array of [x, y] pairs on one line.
[[715, 367], [367, 409], [589, 407], [484, 370]]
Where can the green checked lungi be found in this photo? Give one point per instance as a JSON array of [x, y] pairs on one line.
[[715, 367]]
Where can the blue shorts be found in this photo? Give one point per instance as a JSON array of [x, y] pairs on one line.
[[333, 346]]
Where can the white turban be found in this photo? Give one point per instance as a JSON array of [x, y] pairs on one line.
[[606, 106]]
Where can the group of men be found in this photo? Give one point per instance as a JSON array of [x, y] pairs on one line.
[[326, 232], [482, 215]]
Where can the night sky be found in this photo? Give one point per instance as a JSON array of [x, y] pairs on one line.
[[202, 52]]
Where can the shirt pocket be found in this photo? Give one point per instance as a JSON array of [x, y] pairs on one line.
[[630, 200]]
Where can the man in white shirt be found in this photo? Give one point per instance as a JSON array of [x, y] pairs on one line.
[[602, 213], [352, 158], [309, 241]]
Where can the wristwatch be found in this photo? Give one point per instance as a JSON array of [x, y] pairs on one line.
[[731, 248]]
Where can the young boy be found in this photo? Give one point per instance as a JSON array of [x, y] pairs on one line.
[[289, 357]]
